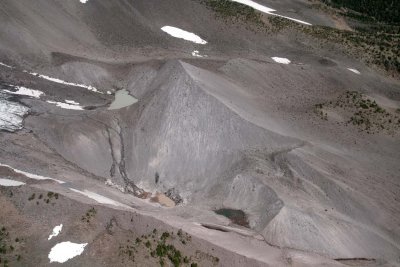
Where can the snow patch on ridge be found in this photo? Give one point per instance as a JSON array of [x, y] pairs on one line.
[[65, 251], [65, 105], [281, 60], [56, 80], [24, 91], [72, 102], [196, 53], [182, 34], [56, 231], [30, 175], [99, 198], [267, 10], [354, 70], [8, 182]]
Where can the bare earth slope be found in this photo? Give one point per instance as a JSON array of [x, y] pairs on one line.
[[289, 145]]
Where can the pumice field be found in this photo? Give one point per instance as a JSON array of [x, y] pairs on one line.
[[193, 133]]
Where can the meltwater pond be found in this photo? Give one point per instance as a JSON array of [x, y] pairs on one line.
[[122, 99], [236, 216]]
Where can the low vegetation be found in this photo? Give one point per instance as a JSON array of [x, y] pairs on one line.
[[48, 200], [376, 44], [387, 11], [90, 213], [362, 112], [376, 32], [229, 10], [9, 248], [164, 249]]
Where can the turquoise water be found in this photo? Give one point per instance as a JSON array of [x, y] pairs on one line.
[[122, 99]]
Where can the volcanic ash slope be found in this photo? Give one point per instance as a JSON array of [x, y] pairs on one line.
[[198, 133]]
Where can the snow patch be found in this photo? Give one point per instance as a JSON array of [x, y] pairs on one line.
[[281, 60], [65, 105], [267, 10], [24, 91], [196, 53], [354, 70], [5, 65], [99, 198], [56, 231], [255, 6], [8, 182], [72, 102], [179, 33], [65, 251], [56, 80], [30, 175], [83, 1]]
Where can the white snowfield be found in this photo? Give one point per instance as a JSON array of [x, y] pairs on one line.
[[56, 231], [25, 91], [354, 70], [179, 33], [65, 251], [56, 80], [99, 198], [8, 182], [30, 175], [83, 1], [65, 105], [281, 60], [267, 10]]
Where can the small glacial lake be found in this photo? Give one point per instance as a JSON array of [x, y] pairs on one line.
[[122, 99], [236, 216]]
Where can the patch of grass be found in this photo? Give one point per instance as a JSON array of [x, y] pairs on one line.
[[366, 114], [90, 213], [234, 12], [387, 11], [147, 244], [159, 246], [376, 45], [8, 248], [375, 48]]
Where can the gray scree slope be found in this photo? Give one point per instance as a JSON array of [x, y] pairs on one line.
[[233, 130]]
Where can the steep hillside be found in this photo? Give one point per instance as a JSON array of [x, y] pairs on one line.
[[268, 132]]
